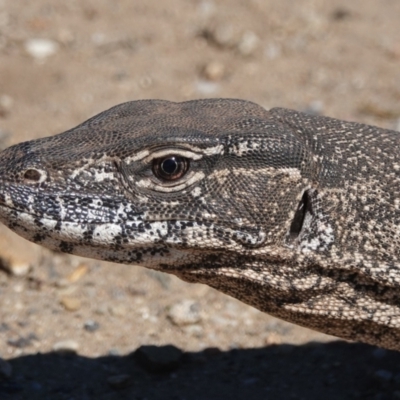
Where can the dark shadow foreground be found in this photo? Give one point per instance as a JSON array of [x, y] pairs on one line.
[[336, 370]]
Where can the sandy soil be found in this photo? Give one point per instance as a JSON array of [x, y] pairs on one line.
[[78, 329]]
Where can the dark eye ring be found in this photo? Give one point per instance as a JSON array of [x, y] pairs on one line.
[[170, 168]]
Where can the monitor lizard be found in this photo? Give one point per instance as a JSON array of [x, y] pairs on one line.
[[296, 215]]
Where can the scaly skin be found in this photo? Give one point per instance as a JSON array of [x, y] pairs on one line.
[[294, 214]]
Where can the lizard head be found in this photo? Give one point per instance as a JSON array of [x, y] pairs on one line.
[[223, 192], [161, 184]]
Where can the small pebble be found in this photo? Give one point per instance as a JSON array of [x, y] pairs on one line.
[[114, 352], [66, 346], [316, 107], [41, 48], [223, 35], [65, 36], [70, 303], [207, 88], [119, 381], [78, 273], [4, 327], [248, 43], [18, 288], [22, 341], [185, 312], [102, 309], [118, 310], [339, 14], [145, 82], [5, 369], [91, 326], [206, 8], [62, 283], [194, 330], [15, 266], [214, 71], [272, 51]]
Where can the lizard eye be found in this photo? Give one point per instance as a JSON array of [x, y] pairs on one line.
[[170, 168]]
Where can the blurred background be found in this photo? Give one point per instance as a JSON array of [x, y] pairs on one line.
[[63, 62]]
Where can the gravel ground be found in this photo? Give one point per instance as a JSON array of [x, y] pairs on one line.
[[73, 328]]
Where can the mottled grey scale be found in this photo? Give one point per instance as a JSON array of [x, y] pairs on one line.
[[294, 214]]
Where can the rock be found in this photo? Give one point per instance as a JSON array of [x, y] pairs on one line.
[[101, 309], [91, 326], [206, 8], [70, 303], [41, 48], [159, 359], [65, 36], [229, 37], [272, 51], [119, 310], [22, 341], [339, 14], [17, 256], [78, 273], [18, 288], [207, 88], [248, 43], [114, 352], [214, 71], [136, 292], [315, 107], [185, 312], [5, 369], [194, 330], [224, 36], [66, 346], [15, 266], [61, 283], [20, 268], [145, 82], [119, 381]]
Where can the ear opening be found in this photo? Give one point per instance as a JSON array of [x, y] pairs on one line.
[[299, 216]]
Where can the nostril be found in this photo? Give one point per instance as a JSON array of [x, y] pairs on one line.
[[34, 175]]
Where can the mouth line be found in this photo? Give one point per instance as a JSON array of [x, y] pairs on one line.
[[56, 221], [247, 238]]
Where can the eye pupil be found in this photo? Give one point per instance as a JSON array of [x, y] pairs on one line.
[[170, 168]]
